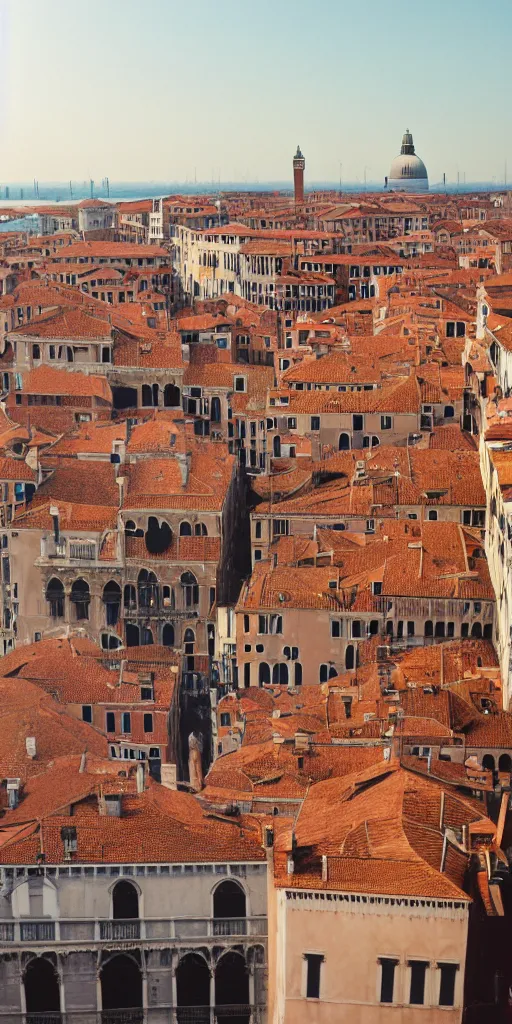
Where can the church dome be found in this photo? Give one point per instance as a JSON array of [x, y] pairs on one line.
[[407, 172]]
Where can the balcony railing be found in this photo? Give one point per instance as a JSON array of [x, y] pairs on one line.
[[230, 1014], [37, 931], [235, 1013], [90, 931], [119, 929]]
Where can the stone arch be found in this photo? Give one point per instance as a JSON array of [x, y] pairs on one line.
[[344, 442], [232, 988], [488, 762], [505, 763], [158, 536], [193, 986], [263, 673], [41, 984], [121, 983]]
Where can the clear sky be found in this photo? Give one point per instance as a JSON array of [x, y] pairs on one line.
[[162, 89]]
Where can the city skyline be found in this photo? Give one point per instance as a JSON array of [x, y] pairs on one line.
[[75, 105]]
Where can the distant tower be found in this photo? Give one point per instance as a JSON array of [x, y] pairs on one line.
[[299, 164]]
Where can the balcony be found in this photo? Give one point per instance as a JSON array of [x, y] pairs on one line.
[[231, 1014], [90, 932]]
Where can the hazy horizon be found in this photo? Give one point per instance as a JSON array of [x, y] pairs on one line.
[[169, 93]]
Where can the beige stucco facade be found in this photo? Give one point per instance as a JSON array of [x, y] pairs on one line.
[[353, 932]]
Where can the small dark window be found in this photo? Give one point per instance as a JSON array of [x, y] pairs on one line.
[[247, 674], [314, 963], [126, 722], [225, 718], [418, 972], [387, 981], [111, 721], [246, 623], [447, 989], [86, 713], [148, 722], [357, 422], [315, 423]]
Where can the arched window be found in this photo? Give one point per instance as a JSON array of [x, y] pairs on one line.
[[297, 673], [55, 597], [112, 601], [190, 590], [476, 630], [146, 636], [263, 673], [349, 657], [344, 443], [429, 628], [172, 397], [200, 530], [488, 762], [168, 634], [228, 901], [80, 596], [132, 635], [125, 901], [276, 446], [189, 640], [110, 642], [505, 763], [185, 529], [215, 411], [280, 674], [148, 591]]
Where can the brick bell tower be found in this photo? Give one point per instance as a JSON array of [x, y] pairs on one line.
[[299, 164]]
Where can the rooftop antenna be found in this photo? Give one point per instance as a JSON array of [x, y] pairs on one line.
[[444, 177], [91, 183], [70, 190], [341, 168], [107, 185]]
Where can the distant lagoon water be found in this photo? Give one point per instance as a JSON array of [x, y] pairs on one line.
[[22, 194]]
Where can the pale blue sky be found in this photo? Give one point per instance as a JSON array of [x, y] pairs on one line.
[[153, 89]]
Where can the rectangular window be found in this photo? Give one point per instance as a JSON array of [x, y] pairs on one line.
[[247, 674], [314, 963], [386, 423], [262, 624], [387, 979], [126, 722], [111, 721], [447, 988], [86, 713], [466, 517], [148, 722], [246, 623], [315, 423], [335, 627], [418, 973], [357, 422]]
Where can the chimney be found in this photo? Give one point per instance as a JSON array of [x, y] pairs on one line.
[[110, 805], [120, 481], [184, 464], [269, 837], [83, 761], [290, 866], [168, 776], [54, 512], [30, 746], [324, 867], [140, 777], [13, 792]]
